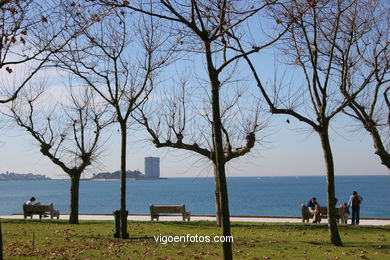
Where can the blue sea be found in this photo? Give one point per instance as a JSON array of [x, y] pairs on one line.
[[248, 196]]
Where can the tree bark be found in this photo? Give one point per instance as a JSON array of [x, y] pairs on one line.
[[217, 197], [74, 198], [219, 155], [225, 215], [335, 238], [380, 150], [123, 212], [1, 243]]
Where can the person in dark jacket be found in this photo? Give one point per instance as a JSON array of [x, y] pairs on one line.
[[312, 204], [355, 201], [315, 210]]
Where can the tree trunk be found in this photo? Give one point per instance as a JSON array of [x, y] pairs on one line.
[[74, 198], [123, 212], [219, 154], [335, 238], [1, 243], [217, 198], [380, 150], [225, 215]]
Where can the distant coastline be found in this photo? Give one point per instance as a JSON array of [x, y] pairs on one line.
[[12, 176], [130, 175], [131, 179]]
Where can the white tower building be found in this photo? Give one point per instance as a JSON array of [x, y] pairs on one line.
[[152, 167]]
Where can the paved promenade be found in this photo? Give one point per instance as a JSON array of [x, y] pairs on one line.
[[374, 222]]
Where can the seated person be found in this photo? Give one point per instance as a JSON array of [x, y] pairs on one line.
[[317, 214], [311, 206], [32, 201]]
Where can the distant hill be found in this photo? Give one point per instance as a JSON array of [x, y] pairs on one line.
[[116, 175], [11, 176]]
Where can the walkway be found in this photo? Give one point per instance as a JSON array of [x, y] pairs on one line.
[[375, 222]]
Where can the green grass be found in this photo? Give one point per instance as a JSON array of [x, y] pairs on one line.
[[94, 240]]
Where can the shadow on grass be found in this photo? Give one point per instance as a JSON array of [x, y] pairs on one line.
[[112, 238], [210, 224], [316, 243], [54, 221], [366, 245], [281, 226], [141, 238], [310, 226], [365, 228], [362, 244]]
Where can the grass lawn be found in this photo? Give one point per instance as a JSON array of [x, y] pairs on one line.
[[55, 239]]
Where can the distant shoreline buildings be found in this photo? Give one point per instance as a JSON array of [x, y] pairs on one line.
[[152, 172], [11, 176]]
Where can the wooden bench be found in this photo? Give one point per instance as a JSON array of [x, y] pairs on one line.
[[306, 213], [156, 210], [30, 210], [324, 211]]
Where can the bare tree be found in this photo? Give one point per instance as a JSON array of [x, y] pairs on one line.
[[30, 32], [366, 61], [175, 121], [117, 57], [320, 42], [70, 138], [205, 25]]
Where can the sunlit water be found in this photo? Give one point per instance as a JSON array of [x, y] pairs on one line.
[[248, 196]]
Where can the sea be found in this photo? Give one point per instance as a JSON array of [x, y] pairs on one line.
[[248, 196]]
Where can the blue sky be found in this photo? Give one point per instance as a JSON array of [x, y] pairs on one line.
[[285, 150]]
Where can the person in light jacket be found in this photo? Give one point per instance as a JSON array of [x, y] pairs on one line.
[[355, 201], [32, 201]]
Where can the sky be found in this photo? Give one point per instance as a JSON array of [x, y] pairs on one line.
[[283, 150]]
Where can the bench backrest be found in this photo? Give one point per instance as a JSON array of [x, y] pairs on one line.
[[167, 209], [324, 211], [305, 211], [37, 208], [338, 210]]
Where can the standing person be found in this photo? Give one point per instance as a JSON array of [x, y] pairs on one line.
[[355, 201]]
